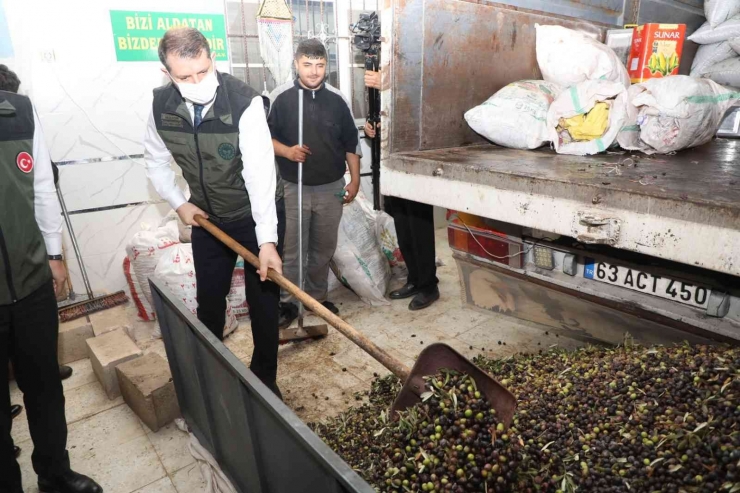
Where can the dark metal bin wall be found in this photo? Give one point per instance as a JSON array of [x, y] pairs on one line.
[[260, 444]]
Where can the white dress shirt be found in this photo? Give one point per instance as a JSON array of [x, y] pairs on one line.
[[255, 144], [47, 210]]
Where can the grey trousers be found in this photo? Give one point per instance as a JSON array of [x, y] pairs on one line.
[[322, 211]]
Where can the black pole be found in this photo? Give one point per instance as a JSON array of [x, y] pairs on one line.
[[371, 63]]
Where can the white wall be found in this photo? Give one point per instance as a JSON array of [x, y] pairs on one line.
[[92, 106]]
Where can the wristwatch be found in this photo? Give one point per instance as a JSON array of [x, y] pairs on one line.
[[56, 257]]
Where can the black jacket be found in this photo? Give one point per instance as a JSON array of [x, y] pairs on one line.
[[329, 131]]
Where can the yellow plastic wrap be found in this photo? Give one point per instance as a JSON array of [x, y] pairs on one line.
[[590, 126]]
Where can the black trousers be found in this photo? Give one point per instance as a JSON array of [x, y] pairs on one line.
[[214, 267], [29, 330], [415, 229]]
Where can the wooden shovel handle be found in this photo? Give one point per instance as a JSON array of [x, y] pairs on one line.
[[385, 359]]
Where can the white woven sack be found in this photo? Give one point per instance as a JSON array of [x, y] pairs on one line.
[[359, 257], [718, 11], [516, 116], [679, 112], [709, 55], [144, 251], [176, 269], [706, 34], [735, 45], [567, 57], [726, 73], [629, 136], [579, 100]]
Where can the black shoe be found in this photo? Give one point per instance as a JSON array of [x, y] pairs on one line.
[[15, 411], [406, 291], [288, 313], [69, 482], [65, 372], [276, 390], [425, 299], [16, 451], [329, 306]]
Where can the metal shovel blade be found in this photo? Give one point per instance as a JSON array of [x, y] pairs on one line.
[[441, 356]]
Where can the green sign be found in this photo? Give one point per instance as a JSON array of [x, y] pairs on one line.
[[136, 35]]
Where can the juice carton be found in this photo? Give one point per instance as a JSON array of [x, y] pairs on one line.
[[656, 51]]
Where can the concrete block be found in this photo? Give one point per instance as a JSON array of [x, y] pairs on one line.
[[106, 353], [146, 386], [73, 336], [104, 330], [108, 320]]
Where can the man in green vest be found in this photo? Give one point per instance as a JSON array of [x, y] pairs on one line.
[[215, 128], [31, 273], [10, 82]]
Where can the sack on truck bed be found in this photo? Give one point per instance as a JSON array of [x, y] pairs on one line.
[[726, 73], [567, 57], [516, 116], [706, 34], [359, 257], [629, 136], [586, 118], [735, 45], [177, 270], [679, 112], [718, 11], [143, 252], [709, 55]]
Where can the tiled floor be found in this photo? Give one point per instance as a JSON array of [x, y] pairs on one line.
[[108, 442]]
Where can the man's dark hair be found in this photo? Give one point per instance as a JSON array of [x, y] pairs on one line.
[[8, 80], [310, 48], [183, 42]]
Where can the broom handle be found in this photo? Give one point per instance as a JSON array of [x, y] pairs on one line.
[[385, 359], [300, 207], [70, 289], [75, 246]]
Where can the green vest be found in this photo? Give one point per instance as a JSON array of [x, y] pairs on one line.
[[209, 156], [24, 266]]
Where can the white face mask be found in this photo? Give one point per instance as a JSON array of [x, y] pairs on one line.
[[202, 92]]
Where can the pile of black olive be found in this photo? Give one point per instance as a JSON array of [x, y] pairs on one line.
[[626, 419]]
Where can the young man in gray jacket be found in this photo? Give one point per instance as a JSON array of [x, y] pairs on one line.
[[330, 143]]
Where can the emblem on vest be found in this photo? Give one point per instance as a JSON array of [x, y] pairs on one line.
[[24, 161], [226, 151], [171, 121]]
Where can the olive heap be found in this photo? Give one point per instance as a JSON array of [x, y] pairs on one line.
[[626, 419], [450, 442]]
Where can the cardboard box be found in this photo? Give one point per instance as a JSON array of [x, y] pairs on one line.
[[656, 51]]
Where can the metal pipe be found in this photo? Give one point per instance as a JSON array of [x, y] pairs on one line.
[[300, 207]]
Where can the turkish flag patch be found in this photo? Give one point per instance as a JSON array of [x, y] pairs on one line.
[[24, 161]]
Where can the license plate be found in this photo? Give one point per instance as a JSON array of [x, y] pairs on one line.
[[636, 280]]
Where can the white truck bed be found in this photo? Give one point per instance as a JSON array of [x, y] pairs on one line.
[[683, 207]]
